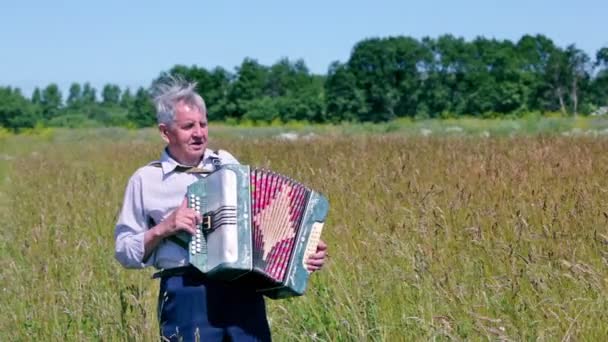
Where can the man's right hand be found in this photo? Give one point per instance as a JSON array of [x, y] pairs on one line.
[[181, 219]]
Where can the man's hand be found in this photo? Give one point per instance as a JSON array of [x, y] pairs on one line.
[[315, 261], [181, 219]]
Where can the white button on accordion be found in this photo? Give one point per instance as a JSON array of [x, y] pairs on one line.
[[258, 228]]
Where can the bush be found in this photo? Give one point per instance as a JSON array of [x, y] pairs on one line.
[[72, 120], [39, 130]]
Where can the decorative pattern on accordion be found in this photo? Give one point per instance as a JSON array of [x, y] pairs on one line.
[[278, 207]]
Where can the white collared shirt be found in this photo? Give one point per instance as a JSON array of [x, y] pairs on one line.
[[151, 195]]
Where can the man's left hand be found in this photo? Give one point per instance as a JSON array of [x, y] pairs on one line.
[[315, 261]]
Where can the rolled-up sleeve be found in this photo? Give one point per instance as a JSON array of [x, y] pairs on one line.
[[131, 226]]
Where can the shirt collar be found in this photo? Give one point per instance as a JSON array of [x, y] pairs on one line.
[[168, 163]]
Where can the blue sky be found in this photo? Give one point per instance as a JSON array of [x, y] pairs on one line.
[[130, 42]]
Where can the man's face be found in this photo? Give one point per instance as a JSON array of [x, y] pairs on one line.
[[186, 137]]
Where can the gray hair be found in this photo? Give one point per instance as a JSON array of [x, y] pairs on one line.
[[169, 91]]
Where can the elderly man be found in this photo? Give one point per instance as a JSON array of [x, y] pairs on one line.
[[190, 306]]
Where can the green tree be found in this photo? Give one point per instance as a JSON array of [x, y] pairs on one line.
[[16, 111], [599, 85], [538, 55], [286, 78], [110, 94], [344, 101], [51, 101], [601, 59], [388, 72], [89, 95], [36, 102], [142, 113], [36, 96], [559, 77], [299, 94], [74, 99], [578, 71], [444, 84], [262, 109], [249, 85], [494, 81], [126, 99], [216, 92]]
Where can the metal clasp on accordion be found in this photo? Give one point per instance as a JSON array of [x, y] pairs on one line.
[[206, 224]]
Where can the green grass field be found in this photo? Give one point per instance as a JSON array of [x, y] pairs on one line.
[[456, 237]]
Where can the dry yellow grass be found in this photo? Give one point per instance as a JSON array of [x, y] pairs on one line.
[[430, 238]]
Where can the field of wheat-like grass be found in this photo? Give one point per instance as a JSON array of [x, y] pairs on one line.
[[455, 238]]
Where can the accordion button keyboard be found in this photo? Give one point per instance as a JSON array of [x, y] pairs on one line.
[[195, 245]]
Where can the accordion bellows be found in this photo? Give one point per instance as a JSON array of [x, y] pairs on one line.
[[258, 228]]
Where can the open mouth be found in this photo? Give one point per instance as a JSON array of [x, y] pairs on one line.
[[197, 144]]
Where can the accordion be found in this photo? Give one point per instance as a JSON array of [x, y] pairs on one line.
[[258, 228]]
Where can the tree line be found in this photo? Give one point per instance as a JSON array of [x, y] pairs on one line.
[[384, 78]]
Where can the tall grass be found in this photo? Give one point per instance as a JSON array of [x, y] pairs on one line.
[[455, 238]]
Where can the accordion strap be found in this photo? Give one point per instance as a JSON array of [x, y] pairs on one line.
[[183, 244], [179, 271], [214, 158]]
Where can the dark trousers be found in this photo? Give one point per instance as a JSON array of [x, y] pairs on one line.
[[194, 308]]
